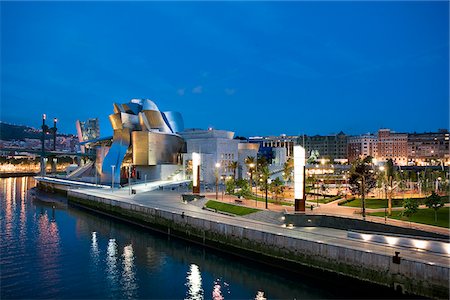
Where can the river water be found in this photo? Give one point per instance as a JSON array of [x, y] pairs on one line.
[[52, 250]]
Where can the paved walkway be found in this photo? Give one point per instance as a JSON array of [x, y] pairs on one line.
[[333, 209], [171, 201]]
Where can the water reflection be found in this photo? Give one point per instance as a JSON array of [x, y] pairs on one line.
[[48, 248], [94, 248], [217, 293], [128, 274], [194, 283], [112, 274], [260, 296]]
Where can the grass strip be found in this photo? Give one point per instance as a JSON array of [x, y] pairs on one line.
[[230, 208], [422, 216]]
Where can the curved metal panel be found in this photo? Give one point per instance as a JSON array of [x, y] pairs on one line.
[[148, 104], [115, 156], [154, 148], [117, 108], [132, 108], [130, 121], [155, 120], [175, 120], [116, 121]]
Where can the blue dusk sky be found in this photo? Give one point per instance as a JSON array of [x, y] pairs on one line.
[[256, 68]]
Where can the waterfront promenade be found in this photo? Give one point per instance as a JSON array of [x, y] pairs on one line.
[[171, 201], [423, 268]]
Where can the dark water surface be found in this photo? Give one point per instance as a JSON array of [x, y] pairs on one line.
[[65, 252]]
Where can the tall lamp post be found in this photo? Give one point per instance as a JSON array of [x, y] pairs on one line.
[[268, 181], [217, 180], [382, 169], [251, 166], [112, 178], [129, 180]]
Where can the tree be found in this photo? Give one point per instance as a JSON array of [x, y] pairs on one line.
[[230, 185], [390, 174], [410, 207], [362, 179], [234, 165], [244, 188], [287, 169], [277, 187], [435, 202], [250, 161]]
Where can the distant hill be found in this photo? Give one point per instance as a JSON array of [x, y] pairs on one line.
[[10, 132]]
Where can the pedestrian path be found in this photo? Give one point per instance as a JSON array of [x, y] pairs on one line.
[[267, 216]]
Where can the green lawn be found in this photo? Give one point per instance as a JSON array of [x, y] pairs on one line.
[[374, 203], [269, 200], [322, 200], [230, 208], [382, 203], [423, 216]]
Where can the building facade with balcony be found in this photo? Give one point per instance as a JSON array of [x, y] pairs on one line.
[[361, 146]]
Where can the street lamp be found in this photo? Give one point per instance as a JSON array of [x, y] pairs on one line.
[[382, 169], [217, 180], [223, 188], [129, 180], [251, 166], [112, 178], [268, 181]]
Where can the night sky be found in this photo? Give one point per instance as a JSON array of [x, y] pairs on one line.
[[256, 68]]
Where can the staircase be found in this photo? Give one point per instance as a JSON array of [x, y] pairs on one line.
[[81, 170]]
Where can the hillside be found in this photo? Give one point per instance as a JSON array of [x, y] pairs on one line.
[[10, 132]]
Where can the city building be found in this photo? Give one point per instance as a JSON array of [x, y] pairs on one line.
[[283, 141], [216, 147], [245, 150], [428, 148], [87, 131], [392, 145], [332, 147], [361, 146]]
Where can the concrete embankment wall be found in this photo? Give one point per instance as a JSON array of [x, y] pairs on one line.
[[412, 276]]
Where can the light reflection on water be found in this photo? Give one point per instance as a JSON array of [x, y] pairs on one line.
[[194, 283], [128, 273], [112, 274]]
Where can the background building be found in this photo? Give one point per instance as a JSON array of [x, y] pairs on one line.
[[282, 141], [392, 145], [428, 148], [214, 146], [329, 146], [361, 146]]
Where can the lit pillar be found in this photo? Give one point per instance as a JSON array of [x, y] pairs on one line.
[[196, 173], [299, 178]]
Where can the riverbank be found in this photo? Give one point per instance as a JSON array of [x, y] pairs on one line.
[[17, 174], [418, 273]]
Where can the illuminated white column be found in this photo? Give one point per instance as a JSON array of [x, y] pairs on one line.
[[299, 178], [196, 172]]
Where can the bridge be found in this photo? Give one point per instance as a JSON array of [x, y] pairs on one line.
[[47, 152]]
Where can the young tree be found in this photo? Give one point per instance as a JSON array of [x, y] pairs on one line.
[[390, 174], [277, 187], [234, 165], [410, 207], [244, 187], [287, 169], [362, 180], [435, 202], [250, 161], [230, 185]]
